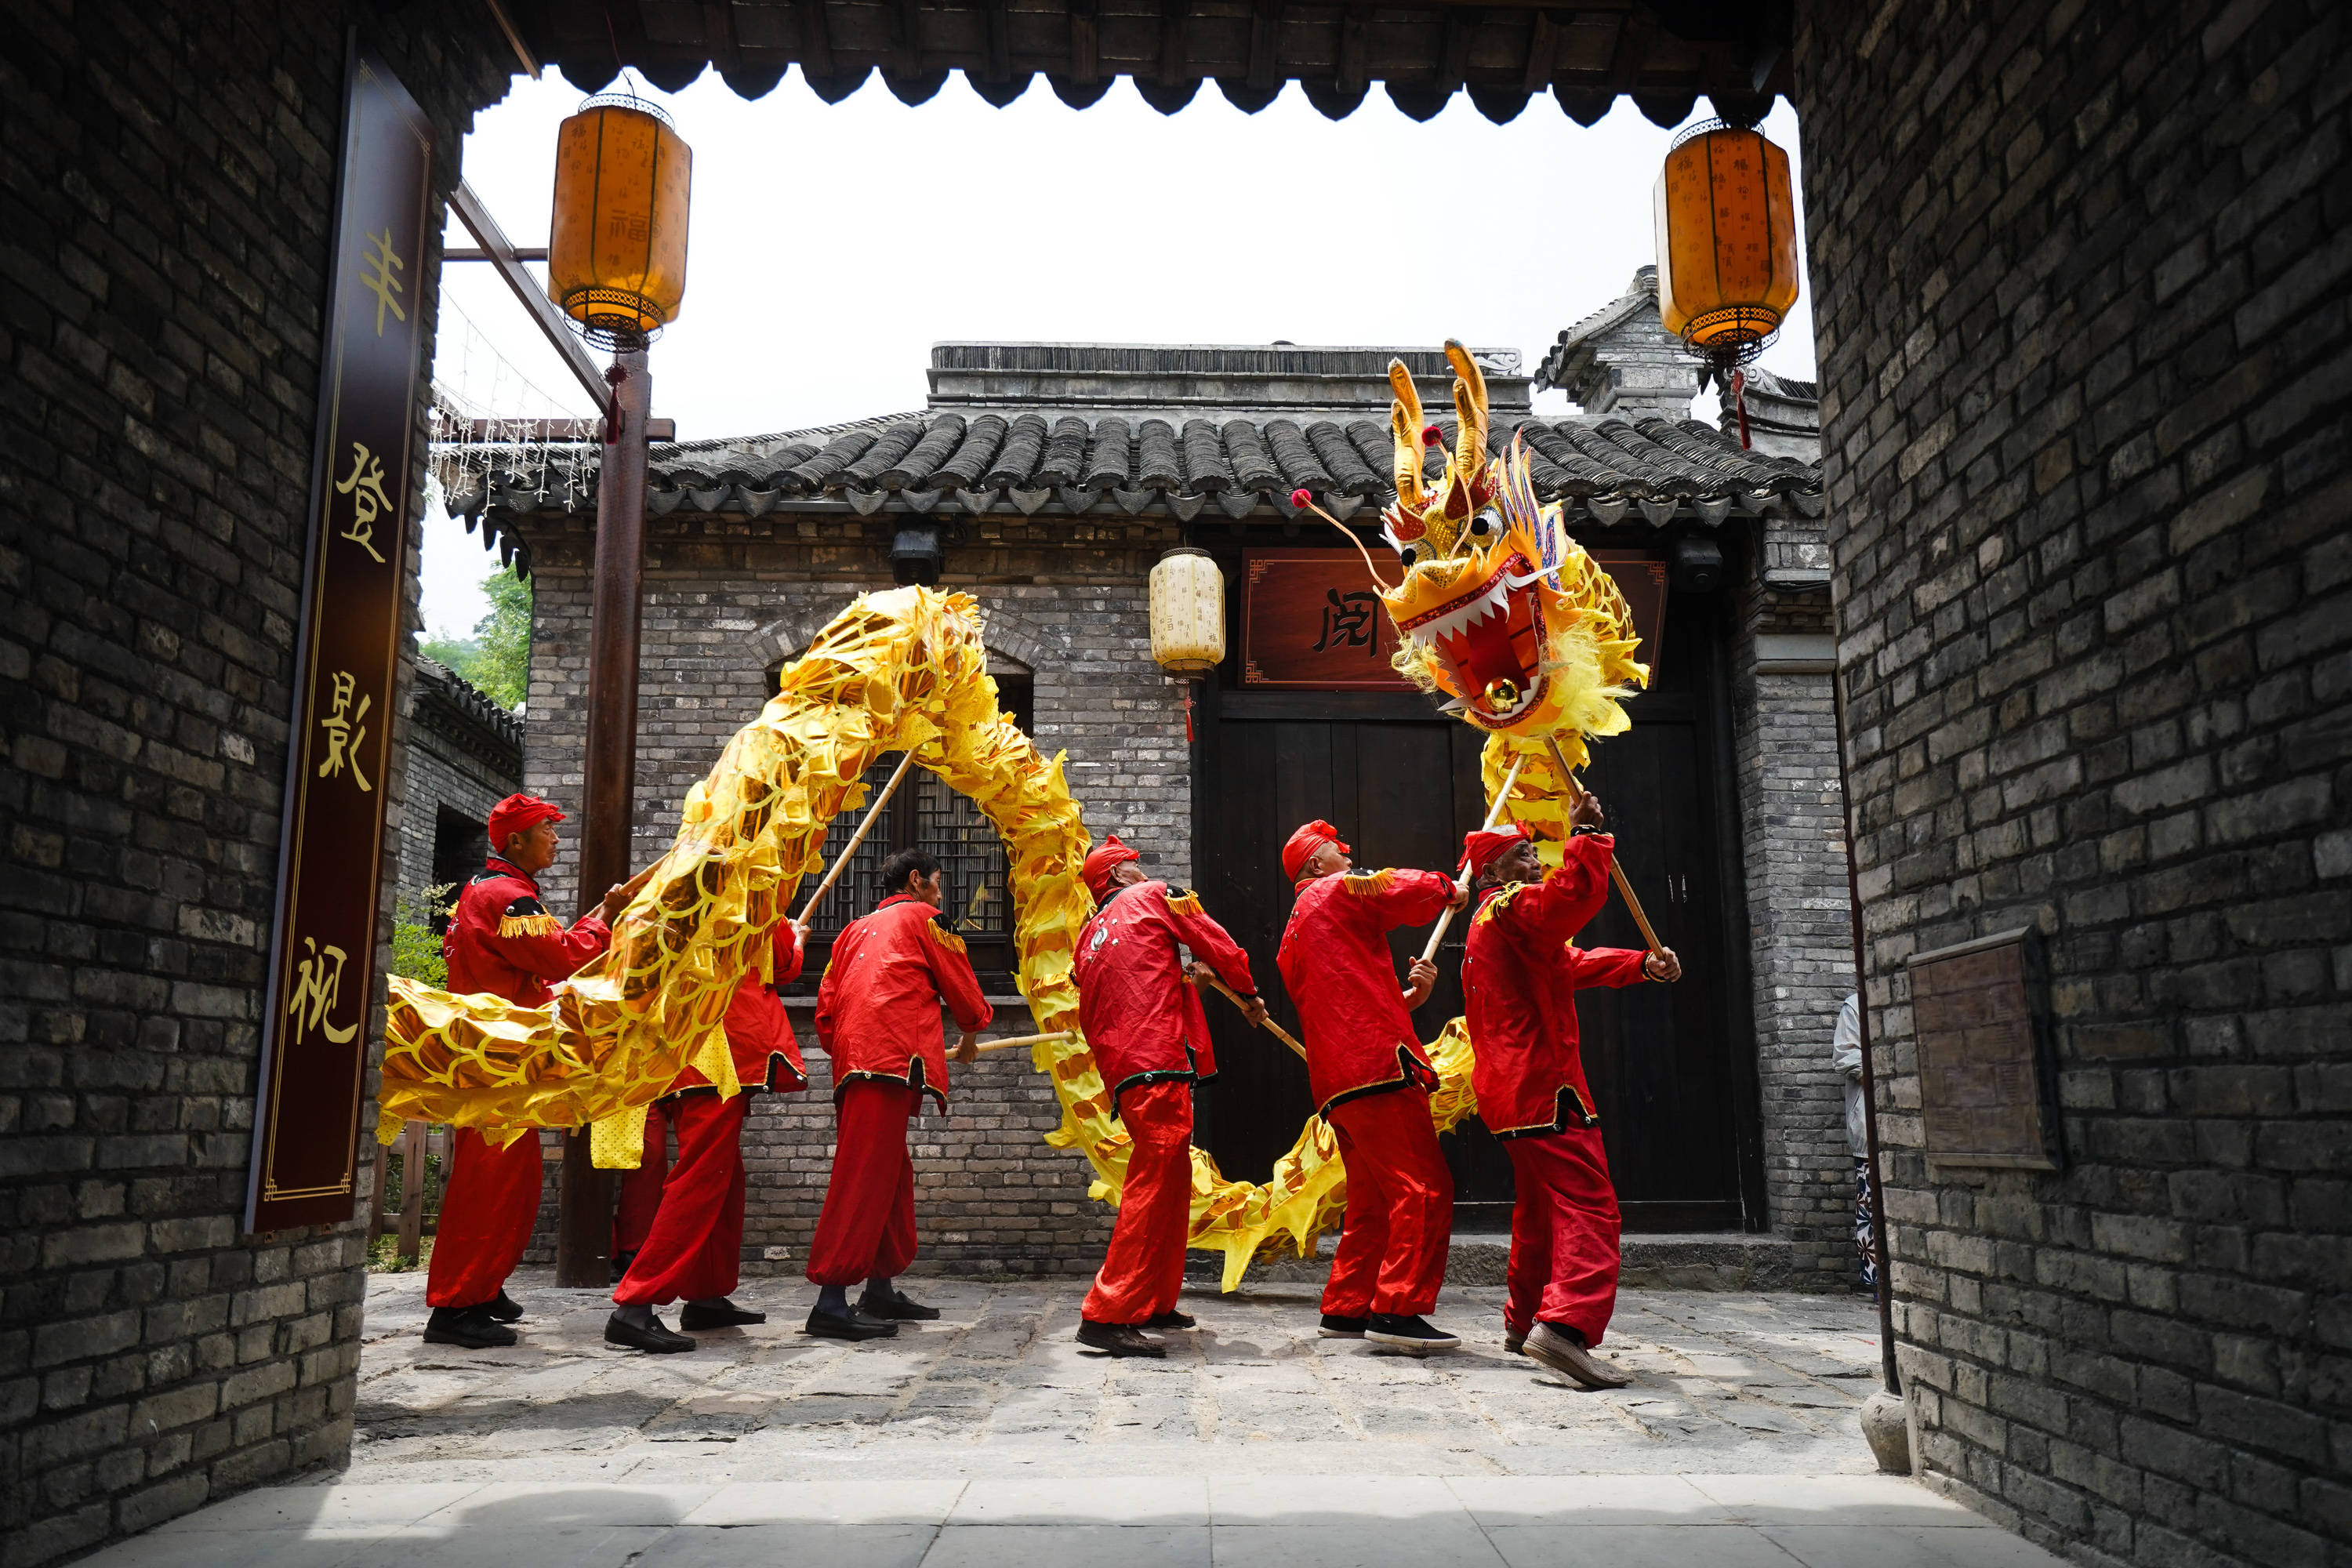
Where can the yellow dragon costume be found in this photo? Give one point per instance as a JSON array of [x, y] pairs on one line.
[[906, 670]]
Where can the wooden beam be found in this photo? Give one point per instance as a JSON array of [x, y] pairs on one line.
[[1175, 18], [718, 33], [1084, 42], [531, 66], [999, 42], [527, 288], [816, 42], [1266, 32], [1355, 49], [905, 26], [1543, 45], [557, 430]]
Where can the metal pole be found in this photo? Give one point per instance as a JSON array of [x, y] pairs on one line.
[[584, 1231], [1894, 1378]]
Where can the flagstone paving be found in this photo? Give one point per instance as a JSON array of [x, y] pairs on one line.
[[989, 1440], [999, 1386]]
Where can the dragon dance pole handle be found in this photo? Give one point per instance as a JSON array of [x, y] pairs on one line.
[[1494, 816], [873, 814], [1276, 1030], [1616, 873], [1054, 1036]]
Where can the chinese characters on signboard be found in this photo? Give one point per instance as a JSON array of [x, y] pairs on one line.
[[323, 981], [1311, 620]]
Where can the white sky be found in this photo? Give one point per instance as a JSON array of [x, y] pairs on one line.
[[831, 245]]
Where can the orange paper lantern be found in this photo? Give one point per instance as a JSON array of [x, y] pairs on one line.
[[1727, 241], [616, 249]]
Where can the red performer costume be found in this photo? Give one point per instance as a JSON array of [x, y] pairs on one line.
[[691, 1249], [877, 1016], [500, 941], [1520, 977], [1370, 1082], [1150, 1043]]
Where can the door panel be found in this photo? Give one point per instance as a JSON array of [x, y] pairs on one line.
[[1402, 787]]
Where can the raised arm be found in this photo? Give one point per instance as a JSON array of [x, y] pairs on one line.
[[1210, 942]]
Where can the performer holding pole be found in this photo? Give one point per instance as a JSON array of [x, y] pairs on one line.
[[1371, 1083], [1520, 977], [693, 1248], [877, 1016], [1151, 1041], [501, 940]]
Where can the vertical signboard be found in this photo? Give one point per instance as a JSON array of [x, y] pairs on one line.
[[331, 855]]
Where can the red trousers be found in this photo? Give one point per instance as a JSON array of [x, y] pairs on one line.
[[1400, 1216], [1564, 1228], [1143, 1270], [487, 1208], [866, 1230], [641, 1189], [695, 1249]]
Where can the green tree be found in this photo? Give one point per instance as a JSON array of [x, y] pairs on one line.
[[502, 669], [497, 657], [415, 946]]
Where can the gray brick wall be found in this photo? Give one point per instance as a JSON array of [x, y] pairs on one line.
[[727, 599], [439, 774], [1800, 944], [2084, 336], [169, 170]]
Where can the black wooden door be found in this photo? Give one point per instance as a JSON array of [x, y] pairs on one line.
[[1401, 785]]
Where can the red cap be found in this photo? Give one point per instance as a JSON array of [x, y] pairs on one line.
[[1481, 848], [1305, 842], [1107, 858], [519, 813], [1432, 436]]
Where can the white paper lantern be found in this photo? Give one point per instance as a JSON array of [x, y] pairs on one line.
[[1188, 613]]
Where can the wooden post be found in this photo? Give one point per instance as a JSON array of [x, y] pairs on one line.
[[1616, 873], [583, 1233], [412, 1191]]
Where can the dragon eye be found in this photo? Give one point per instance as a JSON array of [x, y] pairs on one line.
[[1412, 553], [1485, 525]]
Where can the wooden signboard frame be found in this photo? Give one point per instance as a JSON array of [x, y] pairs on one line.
[[320, 1015], [1987, 1077]]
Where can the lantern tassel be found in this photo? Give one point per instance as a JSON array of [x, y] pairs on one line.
[[1739, 402]]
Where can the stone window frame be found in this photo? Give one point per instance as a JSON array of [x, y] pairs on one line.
[[1016, 645]]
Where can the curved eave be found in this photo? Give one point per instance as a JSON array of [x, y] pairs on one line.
[[1664, 54]]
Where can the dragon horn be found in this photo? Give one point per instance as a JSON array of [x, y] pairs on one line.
[[1470, 403], [1405, 428]]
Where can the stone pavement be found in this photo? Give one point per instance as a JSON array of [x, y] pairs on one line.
[[990, 1437]]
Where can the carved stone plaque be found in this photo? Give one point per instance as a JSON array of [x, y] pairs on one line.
[[1987, 1089]]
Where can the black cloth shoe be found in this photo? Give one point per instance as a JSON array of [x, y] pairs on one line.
[[1412, 1335], [1171, 1319], [469, 1328], [1563, 1350], [1119, 1338], [505, 1309], [1336, 1326], [896, 1308], [618, 1330], [853, 1325], [719, 1314]]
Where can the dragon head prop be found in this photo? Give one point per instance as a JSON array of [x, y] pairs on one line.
[[1499, 609]]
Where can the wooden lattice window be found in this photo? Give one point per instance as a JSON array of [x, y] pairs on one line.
[[974, 877]]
